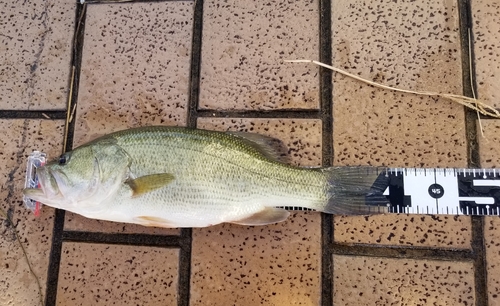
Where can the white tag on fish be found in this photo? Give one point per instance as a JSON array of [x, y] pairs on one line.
[[35, 160]]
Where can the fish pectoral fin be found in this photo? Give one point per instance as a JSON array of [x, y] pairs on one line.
[[148, 183], [269, 215], [154, 221]]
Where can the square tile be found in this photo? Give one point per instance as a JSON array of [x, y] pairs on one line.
[[21, 137], [489, 143], [135, 67], [244, 45], [35, 52], [384, 281], [275, 264], [492, 245], [405, 230], [486, 35], [106, 274], [408, 46]]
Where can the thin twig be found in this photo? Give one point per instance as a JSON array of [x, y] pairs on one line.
[[25, 255], [72, 114], [68, 106], [471, 103], [472, 81]]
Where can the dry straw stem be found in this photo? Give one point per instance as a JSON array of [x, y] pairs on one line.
[[471, 103]]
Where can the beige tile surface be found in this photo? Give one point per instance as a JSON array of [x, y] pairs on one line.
[[408, 46], [244, 45], [492, 244], [272, 265], [135, 72], [21, 137], [135, 67], [97, 274], [405, 230], [489, 143], [383, 281], [486, 35], [35, 53]]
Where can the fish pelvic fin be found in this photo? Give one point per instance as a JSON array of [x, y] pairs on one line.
[[149, 183], [154, 222], [268, 215], [356, 190]]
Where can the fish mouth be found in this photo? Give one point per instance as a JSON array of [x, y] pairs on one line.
[[48, 190]]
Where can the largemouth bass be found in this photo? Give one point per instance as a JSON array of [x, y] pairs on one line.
[[181, 177]]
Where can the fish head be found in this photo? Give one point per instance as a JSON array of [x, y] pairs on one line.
[[82, 179]]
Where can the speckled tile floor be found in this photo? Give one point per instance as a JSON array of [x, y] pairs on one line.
[[70, 72]]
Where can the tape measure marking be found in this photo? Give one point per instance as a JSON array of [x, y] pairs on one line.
[[442, 191]]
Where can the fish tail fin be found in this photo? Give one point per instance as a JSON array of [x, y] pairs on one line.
[[356, 190]]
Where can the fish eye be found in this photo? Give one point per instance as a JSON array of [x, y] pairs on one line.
[[63, 159]]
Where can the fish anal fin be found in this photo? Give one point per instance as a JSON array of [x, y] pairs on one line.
[[270, 147], [148, 183], [269, 215], [154, 221]]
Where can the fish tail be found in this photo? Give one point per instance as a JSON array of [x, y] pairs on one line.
[[356, 190]]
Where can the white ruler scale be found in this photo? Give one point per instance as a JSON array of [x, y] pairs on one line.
[[439, 191]]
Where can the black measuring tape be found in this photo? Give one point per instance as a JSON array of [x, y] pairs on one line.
[[447, 191]]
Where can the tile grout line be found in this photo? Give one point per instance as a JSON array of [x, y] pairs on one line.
[[58, 231], [184, 280], [272, 114], [195, 69], [54, 259], [326, 114], [465, 19], [33, 114], [480, 271], [126, 1], [473, 154], [401, 251], [152, 240]]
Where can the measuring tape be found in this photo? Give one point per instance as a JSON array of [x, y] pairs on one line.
[[439, 191]]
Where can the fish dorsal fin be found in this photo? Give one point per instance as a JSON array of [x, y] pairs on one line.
[[148, 183], [270, 147], [269, 215]]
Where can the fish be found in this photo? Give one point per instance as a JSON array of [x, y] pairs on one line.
[[184, 177]]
